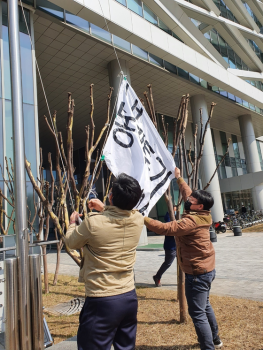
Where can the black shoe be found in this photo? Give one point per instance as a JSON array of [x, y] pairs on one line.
[[217, 343], [157, 281]]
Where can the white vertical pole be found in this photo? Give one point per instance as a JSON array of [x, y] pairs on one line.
[[20, 179]]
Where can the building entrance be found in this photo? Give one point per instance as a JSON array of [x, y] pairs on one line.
[[235, 200]]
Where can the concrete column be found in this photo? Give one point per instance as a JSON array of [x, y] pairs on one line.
[[208, 163], [115, 75], [252, 158], [249, 143], [114, 80]]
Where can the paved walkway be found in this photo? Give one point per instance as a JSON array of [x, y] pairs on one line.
[[239, 262]]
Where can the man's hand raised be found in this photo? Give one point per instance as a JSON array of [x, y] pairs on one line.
[[96, 204], [177, 173], [74, 218]]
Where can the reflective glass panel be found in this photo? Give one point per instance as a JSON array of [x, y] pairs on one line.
[[194, 78], [100, 33], [135, 6], [223, 93], [77, 21], [149, 15], [123, 2], [139, 52], [164, 27], [234, 172], [7, 75], [27, 69], [183, 73], [235, 146], [121, 43], [170, 67], [22, 24], [4, 13], [239, 100], [231, 96], [9, 130], [1, 139], [207, 35], [50, 8], [156, 60], [30, 137], [203, 83]]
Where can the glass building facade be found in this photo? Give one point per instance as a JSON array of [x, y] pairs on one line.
[[29, 101], [142, 10]]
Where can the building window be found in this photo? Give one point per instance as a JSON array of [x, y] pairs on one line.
[[78, 22], [149, 15], [135, 6], [123, 2], [100, 33], [156, 60], [252, 15], [225, 11], [121, 43], [50, 8], [139, 52], [260, 154]]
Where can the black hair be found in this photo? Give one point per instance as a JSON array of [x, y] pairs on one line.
[[126, 192], [204, 198]]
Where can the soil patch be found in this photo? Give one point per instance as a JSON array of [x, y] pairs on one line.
[[240, 320]]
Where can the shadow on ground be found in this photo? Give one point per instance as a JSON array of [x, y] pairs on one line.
[[172, 347]]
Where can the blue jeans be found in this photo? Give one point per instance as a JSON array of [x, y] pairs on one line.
[[197, 289]]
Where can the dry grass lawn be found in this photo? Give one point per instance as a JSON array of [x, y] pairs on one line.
[[240, 320], [255, 228]]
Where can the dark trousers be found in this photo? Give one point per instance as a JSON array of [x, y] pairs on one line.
[[170, 255], [197, 289], [108, 320]]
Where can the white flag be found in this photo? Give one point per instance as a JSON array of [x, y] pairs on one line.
[[134, 147]]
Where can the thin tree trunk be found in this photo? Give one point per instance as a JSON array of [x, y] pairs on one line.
[[181, 294], [59, 247], [44, 251]]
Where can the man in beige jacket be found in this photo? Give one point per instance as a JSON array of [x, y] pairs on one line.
[[109, 239]]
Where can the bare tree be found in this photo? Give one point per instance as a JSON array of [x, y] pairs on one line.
[[67, 195], [186, 162]]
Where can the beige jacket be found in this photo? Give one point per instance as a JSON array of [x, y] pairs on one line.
[[109, 239]]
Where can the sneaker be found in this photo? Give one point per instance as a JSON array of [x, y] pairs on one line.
[[217, 343], [157, 281]]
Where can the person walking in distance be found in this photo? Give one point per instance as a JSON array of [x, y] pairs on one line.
[[196, 256], [169, 247], [109, 239]]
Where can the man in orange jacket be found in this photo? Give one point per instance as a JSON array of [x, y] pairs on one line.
[[196, 256]]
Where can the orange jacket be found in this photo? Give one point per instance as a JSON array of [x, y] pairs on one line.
[[196, 254]]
